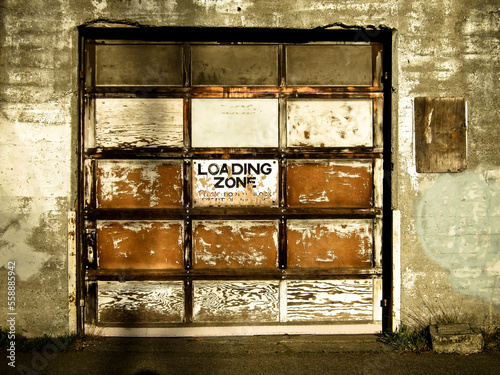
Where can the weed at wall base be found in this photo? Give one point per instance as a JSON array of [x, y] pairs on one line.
[[408, 339], [491, 339]]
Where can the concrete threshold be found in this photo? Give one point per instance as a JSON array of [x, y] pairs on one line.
[[242, 345]]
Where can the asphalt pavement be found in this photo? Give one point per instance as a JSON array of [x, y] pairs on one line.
[[258, 355]]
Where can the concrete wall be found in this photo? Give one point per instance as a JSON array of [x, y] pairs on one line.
[[450, 223]]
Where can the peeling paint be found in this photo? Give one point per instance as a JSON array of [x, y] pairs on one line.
[[235, 244], [330, 123], [140, 244], [329, 300], [139, 184], [99, 5], [236, 301], [330, 243], [140, 302], [131, 123], [31, 230], [319, 183]]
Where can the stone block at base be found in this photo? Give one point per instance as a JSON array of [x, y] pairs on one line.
[[455, 338]]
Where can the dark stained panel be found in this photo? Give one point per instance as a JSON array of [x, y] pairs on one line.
[[139, 65], [329, 65], [440, 134], [244, 65]]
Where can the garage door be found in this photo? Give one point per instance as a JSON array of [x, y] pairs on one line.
[[231, 188]]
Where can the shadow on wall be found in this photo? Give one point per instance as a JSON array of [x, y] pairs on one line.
[[458, 224]]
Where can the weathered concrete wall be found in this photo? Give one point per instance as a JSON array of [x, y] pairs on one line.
[[450, 223], [450, 232]]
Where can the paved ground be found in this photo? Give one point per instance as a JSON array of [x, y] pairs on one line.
[[263, 355]]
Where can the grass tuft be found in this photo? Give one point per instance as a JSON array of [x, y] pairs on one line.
[[408, 339], [491, 339]]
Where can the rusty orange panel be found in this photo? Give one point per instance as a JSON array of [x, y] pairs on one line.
[[330, 183], [329, 243], [139, 184], [235, 244], [140, 244]]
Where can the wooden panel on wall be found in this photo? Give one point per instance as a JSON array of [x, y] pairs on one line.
[[329, 243], [316, 183], [330, 123], [235, 301], [134, 302], [235, 244], [131, 123], [139, 65], [440, 134], [139, 184], [140, 244], [234, 65], [329, 300], [329, 65], [235, 123]]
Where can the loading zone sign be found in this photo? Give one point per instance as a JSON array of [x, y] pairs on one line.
[[235, 182]]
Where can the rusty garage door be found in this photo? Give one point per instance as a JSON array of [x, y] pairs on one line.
[[231, 188]]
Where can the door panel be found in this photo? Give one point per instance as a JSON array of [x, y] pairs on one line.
[[330, 183], [139, 184], [330, 123], [329, 243], [140, 245], [329, 65], [133, 123], [236, 301], [235, 244], [329, 300], [235, 123], [219, 65], [138, 65], [134, 302]]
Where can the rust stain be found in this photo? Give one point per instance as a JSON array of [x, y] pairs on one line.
[[140, 244], [329, 244], [330, 184], [139, 184], [237, 244]]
